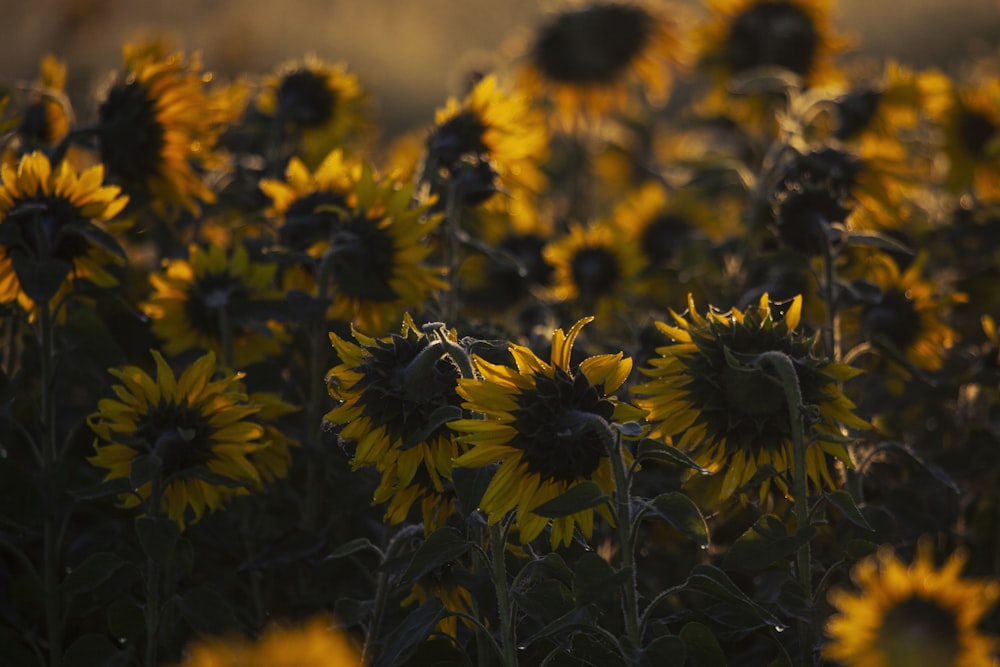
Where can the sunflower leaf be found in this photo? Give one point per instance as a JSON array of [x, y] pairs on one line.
[[655, 450], [664, 652], [158, 537], [874, 239], [470, 485], [442, 546], [762, 544], [843, 501], [579, 497], [417, 626], [95, 649], [110, 487], [206, 610], [701, 646], [594, 579], [143, 469], [40, 278], [683, 514], [710, 580], [92, 572], [437, 419], [88, 231]]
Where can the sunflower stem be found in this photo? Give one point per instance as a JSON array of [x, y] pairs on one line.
[[153, 576], [785, 368], [225, 339], [382, 592], [50, 455], [498, 548], [623, 516], [452, 211], [314, 415], [830, 297]]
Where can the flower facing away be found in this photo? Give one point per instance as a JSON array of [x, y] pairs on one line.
[[491, 140], [54, 228], [595, 58], [157, 129], [395, 395], [318, 642], [733, 418], [46, 119], [219, 301], [547, 424], [911, 615], [195, 432], [444, 583]]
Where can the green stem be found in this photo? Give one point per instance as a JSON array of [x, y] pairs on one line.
[[382, 589], [225, 339], [50, 456], [498, 549], [829, 295], [452, 212], [153, 576], [623, 516], [800, 487]]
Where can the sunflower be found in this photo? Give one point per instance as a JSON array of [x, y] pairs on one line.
[[47, 118], [911, 313], [491, 140], [442, 584], [911, 616], [394, 395], [197, 431], [320, 104], [734, 420], [970, 121], [547, 425], [54, 229], [594, 58], [318, 642], [307, 206], [157, 128], [217, 300], [594, 266]]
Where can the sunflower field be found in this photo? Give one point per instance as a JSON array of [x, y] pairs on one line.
[[672, 340]]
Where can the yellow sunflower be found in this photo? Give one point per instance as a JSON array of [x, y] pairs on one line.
[[217, 300], [594, 58], [157, 129], [318, 642], [547, 425], [970, 121], [491, 140], [308, 205], [912, 312], [734, 420], [442, 584], [47, 118], [195, 431], [394, 396], [322, 105], [55, 228], [911, 615], [594, 266]]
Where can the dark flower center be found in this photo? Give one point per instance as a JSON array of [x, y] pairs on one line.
[[592, 46], [804, 220], [556, 440], [512, 272], [310, 219], [918, 632], [131, 136], [363, 261], [855, 112], [777, 34], [35, 127], [595, 272], [209, 297], [975, 131], [462, 134], [305, 98], [893, 317], [663, 235], [178, 435]]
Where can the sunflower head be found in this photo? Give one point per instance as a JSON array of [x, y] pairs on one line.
[[444, 583], [394, 397], [193, 436], [598, 57], [54, 229], [709, 394], [914, 615], [46, 119], [548, 425]]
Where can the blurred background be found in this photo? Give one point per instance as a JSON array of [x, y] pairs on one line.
[[409, 55]]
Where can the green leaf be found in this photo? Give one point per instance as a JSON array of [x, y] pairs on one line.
[[416, 627], [444, 545], [40, 278], [577, 498], [701, 646], [655, 450], [710, 580], [434, 421], [126, 619], [143, 469], [93, 649], [92, 572], [664, 652], [576, 617], [112, 487], [629, 430], [594, 579], [93, 234], [762, 544], [874, 239], [353, 547], [470, 485], [157, 536], [843, 501], [858, 549], [206, 610], [683, 514]]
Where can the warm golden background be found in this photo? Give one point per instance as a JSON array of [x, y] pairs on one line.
[[408, 53]]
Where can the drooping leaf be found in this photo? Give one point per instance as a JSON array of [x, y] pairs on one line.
[[701, 647], [92, 572], [683, 514], [93, 649], [207, 610], [594, 579], [404, 639], [157, 536], [443, 546], [470, 485], [579, 497], [762, 544], [843, 501], [655, 450]]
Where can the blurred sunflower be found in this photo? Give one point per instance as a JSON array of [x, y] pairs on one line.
[[157, 128], [911, 313], [321, 104], [970, 121], [394, 396], [219, 301], [547, 424], [272, 462], [594, 266], [594, 58], [912, 616], [734, 420], [308, 206], [55, 228], [318, 642], [490, 141], [47, 118], [197, 430], [442, 584]]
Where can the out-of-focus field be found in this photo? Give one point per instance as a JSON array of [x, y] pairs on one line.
[[408, 54]]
